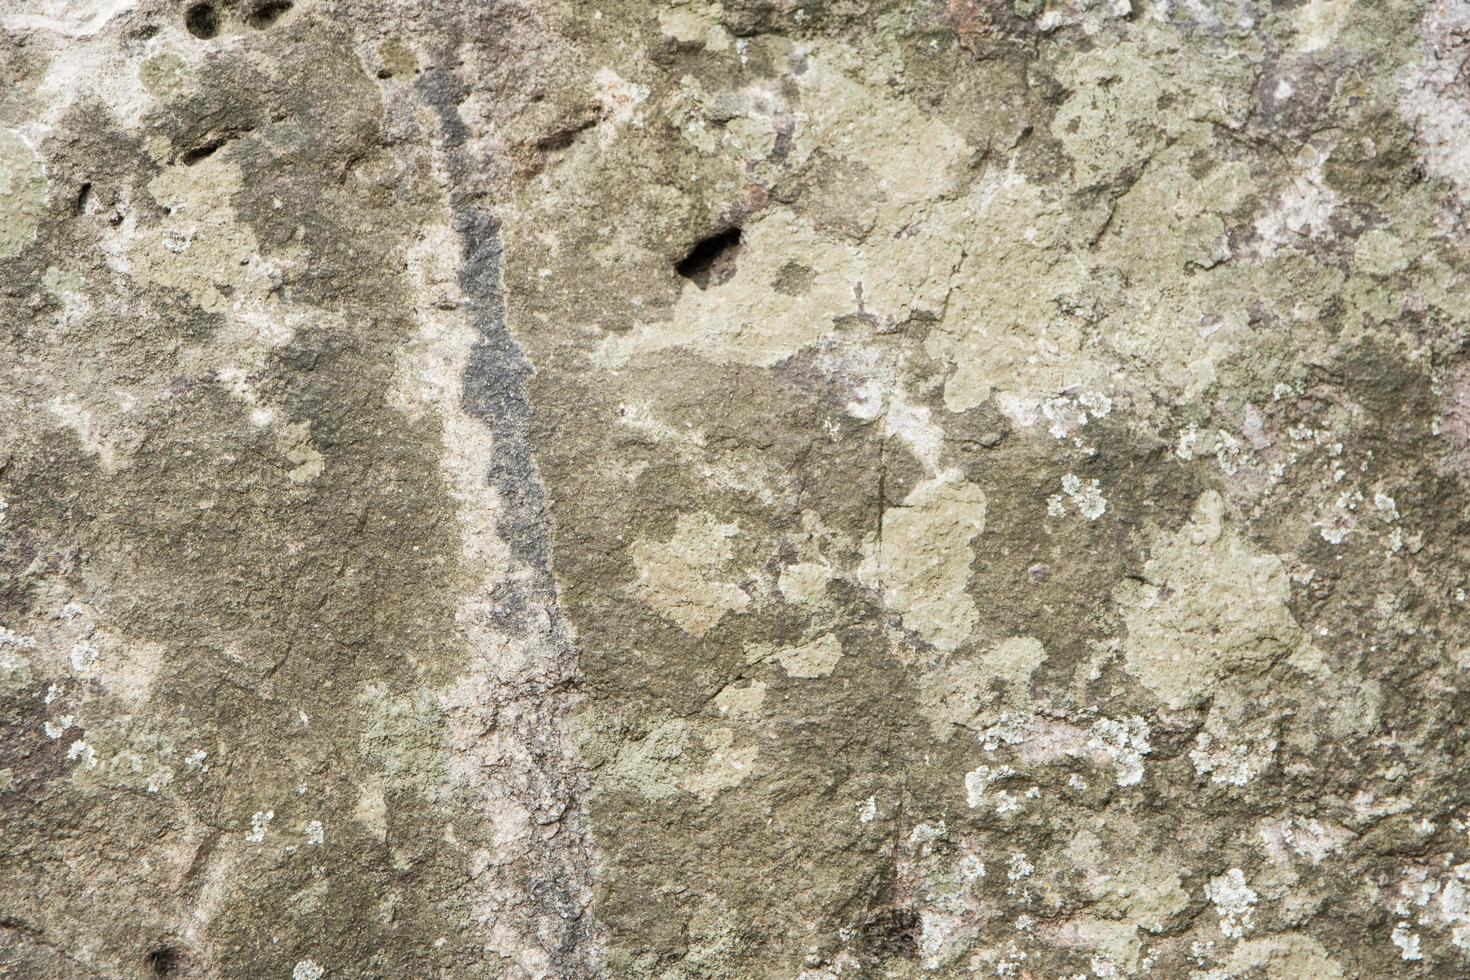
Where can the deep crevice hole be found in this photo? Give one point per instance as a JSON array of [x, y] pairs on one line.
[[163, 961], [203, 151], [268, 13], [202, 20], [711, 261]]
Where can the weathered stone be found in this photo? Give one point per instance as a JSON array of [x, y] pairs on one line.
[[803, 488]]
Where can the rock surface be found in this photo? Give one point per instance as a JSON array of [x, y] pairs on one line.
[[761, 488]]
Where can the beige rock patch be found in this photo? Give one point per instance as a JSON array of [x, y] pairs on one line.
[[742, 702], [1143, 890], [1291, 956], [805, 582], [22, 193], [1210, 607], [742, 321], [924, 558], [727, 766], [687, 578], [650, 766], [955, 693], [817, 658]]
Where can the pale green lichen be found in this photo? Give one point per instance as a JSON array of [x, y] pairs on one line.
[[924, 558], [689, 578], [1209, 607], [22, 193]]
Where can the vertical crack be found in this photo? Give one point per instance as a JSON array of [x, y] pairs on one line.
[[539, 890]]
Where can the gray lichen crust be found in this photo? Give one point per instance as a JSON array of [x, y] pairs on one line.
[[763, 488]]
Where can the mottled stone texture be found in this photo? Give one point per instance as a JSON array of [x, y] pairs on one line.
[[763, 488]]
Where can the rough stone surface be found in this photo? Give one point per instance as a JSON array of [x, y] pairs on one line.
[[762, 488]]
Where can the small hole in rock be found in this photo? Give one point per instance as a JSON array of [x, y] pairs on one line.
[[268, 13], [84, 199], [190, 157], [163, 961], [712, 261], [202, 20]]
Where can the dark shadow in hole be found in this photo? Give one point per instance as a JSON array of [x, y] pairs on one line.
[[190, 157], [207, 149], [163, 961], [712, 261], [268, 13], [84, 198], [202, 20], [563, 138]]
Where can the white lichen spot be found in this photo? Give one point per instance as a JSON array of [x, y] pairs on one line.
[[83, 657], [1018, 867], [315, 833], [1073, 410], [195, 759], [55, 729], [971, 868], [1009, 730], [1188, 441], [1006, 803], [1387, 506], [1227, 452], [938, 932], [308, 970], [1303, 211], [9, 638], [1432, 95], [978, 783], [1441, 898], [867, 810], [924, 833], [1234, 901], [1314, 840], [1087, 496], [1126, 743], [259, 822], [81, 751], [1231, 765], [1407, 942]]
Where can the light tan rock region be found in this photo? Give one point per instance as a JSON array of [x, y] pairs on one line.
[[813, 489]]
